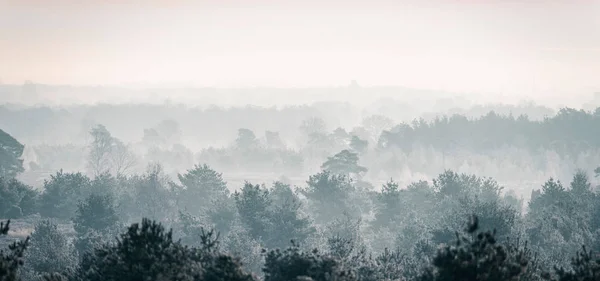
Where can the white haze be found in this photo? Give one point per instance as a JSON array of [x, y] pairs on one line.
[[548, 51]]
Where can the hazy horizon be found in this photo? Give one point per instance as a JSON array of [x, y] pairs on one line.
[[536, 49]]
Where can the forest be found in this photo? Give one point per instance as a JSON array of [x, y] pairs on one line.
[[448, 196]]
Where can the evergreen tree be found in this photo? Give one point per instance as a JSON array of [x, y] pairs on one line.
[[62, 193]]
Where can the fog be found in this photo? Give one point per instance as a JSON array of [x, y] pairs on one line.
[[299, 140], [540, 49]]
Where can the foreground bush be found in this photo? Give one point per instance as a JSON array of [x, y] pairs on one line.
[[12, 260], [477, 256], [295, 264], [49, 252], [148, 252]]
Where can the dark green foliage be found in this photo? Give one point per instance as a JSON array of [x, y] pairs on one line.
[[390, 204], [493, 215], [287, 224], [104, 183], [96, 218], [216, 265], [295, 264], [144, 252], [11, 261], [11, 151], [586, 267], [226, 268], [253, 204], [520, 250], [286, 219], [490, 214], [16, 199], [96, 212], [148, 252], [191, 228], [4, 227], [476, 256], [552, 194], [411, 220], [223, 212], [62, 193], [272, 217], [49, 251]]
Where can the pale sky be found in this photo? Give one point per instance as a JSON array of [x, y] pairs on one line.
[[469, 45]]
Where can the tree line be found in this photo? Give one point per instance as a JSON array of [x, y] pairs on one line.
[[149, 227]]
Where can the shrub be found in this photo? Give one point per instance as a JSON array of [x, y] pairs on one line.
[[295, 264], [50, 251], [148, 252], [476, 256]]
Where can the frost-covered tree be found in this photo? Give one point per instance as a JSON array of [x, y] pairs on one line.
[[108, 154], [50, 251]]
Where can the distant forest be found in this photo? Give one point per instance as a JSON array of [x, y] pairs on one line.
[[168, 192], [116, 225], [499, 141]]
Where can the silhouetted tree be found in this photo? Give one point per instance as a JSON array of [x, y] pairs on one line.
[[295, 264], [11, 261], [476, 256], [11, 151], [16, 199]]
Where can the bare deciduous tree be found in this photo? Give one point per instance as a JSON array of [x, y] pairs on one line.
[[109, 154], [100, 150], [122, 157]]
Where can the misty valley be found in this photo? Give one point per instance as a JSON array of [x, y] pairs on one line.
[[329, 140], [312, 192]]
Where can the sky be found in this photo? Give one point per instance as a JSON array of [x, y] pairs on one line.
[[530, 47]]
